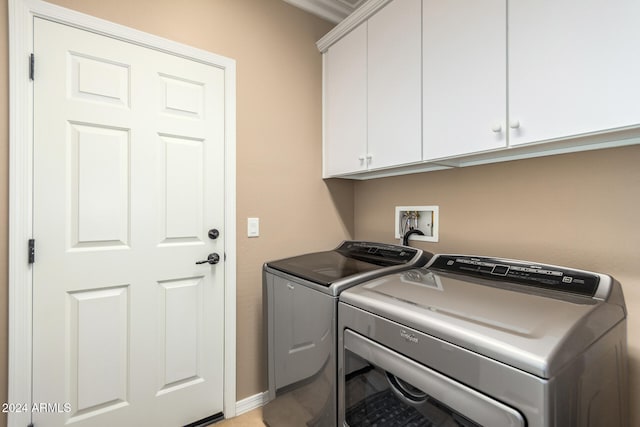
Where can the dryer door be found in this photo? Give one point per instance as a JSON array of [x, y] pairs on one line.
[[382, 387]]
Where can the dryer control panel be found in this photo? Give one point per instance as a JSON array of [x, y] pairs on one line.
[[538, 275]]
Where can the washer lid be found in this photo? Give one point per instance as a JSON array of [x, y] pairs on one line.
[[352, 262], [519, 326]]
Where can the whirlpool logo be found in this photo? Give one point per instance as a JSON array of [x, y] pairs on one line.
[[408, 336]]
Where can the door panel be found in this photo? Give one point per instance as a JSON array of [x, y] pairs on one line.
[[128, 178], [579, 75], [99, 80], [182, 175], [181, 339], [464, 77], [99, 324], [345, 128], [100, 210], [394, 101], [182, 97]]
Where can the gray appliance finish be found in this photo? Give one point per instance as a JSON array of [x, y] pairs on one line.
[[300, 297], [477, 341]]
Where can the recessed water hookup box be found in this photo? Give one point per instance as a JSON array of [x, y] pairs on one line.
[[424, 218]]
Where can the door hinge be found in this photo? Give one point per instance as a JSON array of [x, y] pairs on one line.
[[32, 66], [30, 425], [32, 251]]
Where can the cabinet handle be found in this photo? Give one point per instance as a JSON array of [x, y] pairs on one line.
[[514, 124], [368, 157], [497, 128]]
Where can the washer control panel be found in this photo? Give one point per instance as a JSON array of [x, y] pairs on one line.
[[377, 253], [538, 275]]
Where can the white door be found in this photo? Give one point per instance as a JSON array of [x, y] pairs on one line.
[[128, 179]]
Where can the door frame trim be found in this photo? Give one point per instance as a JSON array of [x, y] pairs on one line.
[[20, 17]]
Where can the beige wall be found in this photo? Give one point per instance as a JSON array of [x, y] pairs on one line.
[[279, 119], [580, 210]]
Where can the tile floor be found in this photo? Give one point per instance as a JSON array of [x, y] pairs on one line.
[[249, 419]]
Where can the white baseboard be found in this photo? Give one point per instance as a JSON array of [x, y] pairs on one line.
[[252, 402]]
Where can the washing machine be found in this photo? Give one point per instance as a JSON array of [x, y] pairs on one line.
[[300, 297], [479, 341]]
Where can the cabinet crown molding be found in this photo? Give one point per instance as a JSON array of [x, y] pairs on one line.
[[350, 22]]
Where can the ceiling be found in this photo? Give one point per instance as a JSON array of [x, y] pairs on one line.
[[331, 10]]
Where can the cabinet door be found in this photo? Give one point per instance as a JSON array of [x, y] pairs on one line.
[[394, 74], [464, 77], [345, 90], [574, 67]]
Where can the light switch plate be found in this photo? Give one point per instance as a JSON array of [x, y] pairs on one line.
[[253, 227]]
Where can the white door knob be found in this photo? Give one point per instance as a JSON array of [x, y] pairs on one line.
[[497, 127], [514, 124], [361, 158]]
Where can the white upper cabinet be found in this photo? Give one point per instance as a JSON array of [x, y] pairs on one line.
[[394, 75], [574, 67], [418, 85], [345, 104], [372, 87], [464, 77]]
